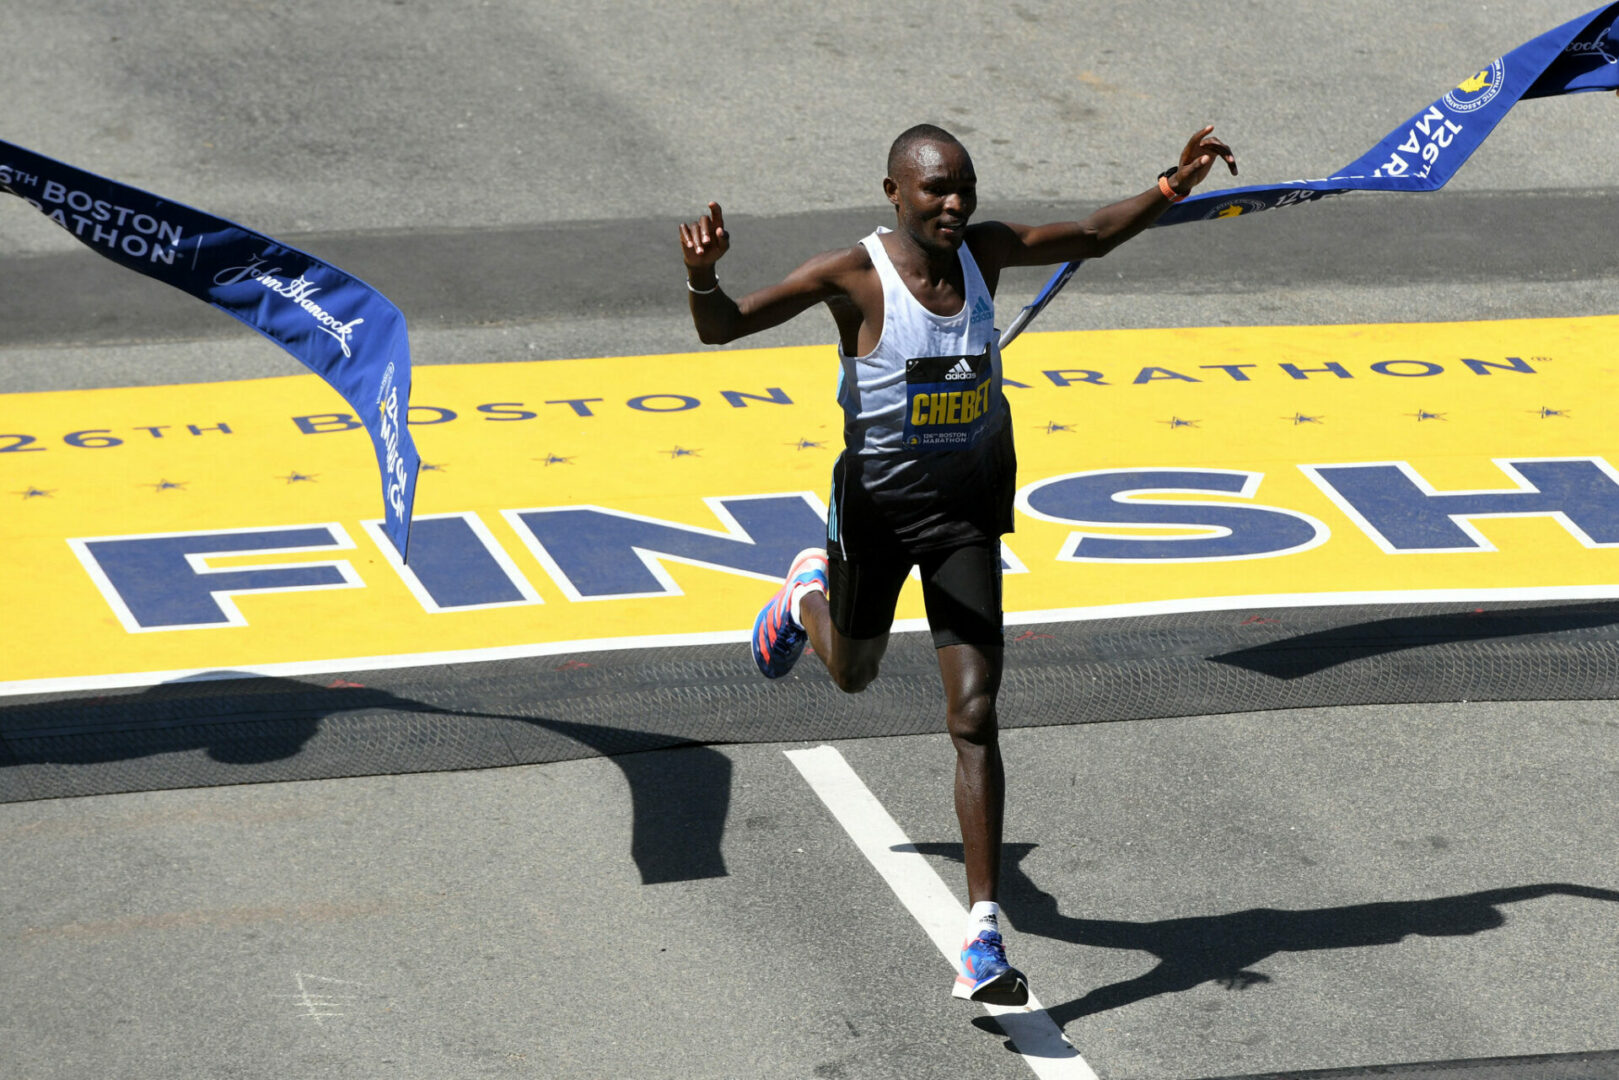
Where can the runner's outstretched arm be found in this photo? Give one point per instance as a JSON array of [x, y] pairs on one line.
[[1107, 228], [719, 318]]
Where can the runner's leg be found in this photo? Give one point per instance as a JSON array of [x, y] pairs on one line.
[[963, 593], [962, 589], [848, 627], [852, 662], [972, 677]]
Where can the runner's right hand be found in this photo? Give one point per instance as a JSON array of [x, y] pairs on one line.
[[703, 241]]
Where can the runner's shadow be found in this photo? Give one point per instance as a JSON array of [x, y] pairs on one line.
[[1224, 948], [1309, 654], [679, 801]]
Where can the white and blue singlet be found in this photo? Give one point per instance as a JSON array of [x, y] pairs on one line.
[[927, 463]]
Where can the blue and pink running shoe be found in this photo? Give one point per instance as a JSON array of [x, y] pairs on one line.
[[986, 976], [777, 638]]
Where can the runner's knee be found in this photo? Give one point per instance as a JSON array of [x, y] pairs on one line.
[[972, 720], [854, 677]]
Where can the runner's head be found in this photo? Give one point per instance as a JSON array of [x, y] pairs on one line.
[[932, 185]]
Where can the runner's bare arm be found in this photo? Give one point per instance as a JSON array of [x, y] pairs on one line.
[[719, 318], [1107, 228]]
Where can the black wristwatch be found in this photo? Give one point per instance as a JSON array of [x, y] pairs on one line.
[[1169, 173]]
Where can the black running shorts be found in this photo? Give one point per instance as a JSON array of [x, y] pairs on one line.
[[961, 587]]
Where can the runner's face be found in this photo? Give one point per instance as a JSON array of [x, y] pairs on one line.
[[936, 193]]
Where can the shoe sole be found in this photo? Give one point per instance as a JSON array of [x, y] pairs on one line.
[[1009, 990]]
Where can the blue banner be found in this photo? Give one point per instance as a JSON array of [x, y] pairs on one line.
[[341, 328], [1423, 153]]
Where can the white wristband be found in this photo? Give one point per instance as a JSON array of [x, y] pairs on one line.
[[703, 292]]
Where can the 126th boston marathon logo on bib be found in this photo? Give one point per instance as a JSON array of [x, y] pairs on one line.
[[1478, 91], [949, 400]]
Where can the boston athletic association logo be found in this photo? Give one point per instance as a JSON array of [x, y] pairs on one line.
[[1230, 208], [1478, 90]]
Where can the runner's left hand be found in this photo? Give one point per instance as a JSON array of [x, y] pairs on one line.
[[1198, 158]]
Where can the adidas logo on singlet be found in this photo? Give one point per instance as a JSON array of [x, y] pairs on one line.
[[962, 370], [983, 310]]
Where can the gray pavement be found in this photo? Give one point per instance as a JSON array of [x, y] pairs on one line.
[[493, 923], [514, 168], [305, 117], [620, 270]]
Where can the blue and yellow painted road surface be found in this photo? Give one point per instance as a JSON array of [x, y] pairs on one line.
[[575, 505]]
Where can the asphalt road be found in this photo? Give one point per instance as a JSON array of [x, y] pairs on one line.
[[1315, 889], [512, 173], [311, 118]]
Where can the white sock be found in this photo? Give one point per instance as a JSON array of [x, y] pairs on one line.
[[985, 915], [796, 602]]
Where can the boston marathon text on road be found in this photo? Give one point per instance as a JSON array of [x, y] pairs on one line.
[[588, 406]]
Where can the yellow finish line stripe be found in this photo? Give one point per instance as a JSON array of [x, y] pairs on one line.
[[1255, 424]]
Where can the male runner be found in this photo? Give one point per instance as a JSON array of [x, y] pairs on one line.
[[926, 477]]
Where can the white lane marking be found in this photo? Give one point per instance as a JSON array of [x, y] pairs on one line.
[[389, 662], [1035, 1035], [317, 1006]]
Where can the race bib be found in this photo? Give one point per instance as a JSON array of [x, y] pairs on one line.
[[948, 401]]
